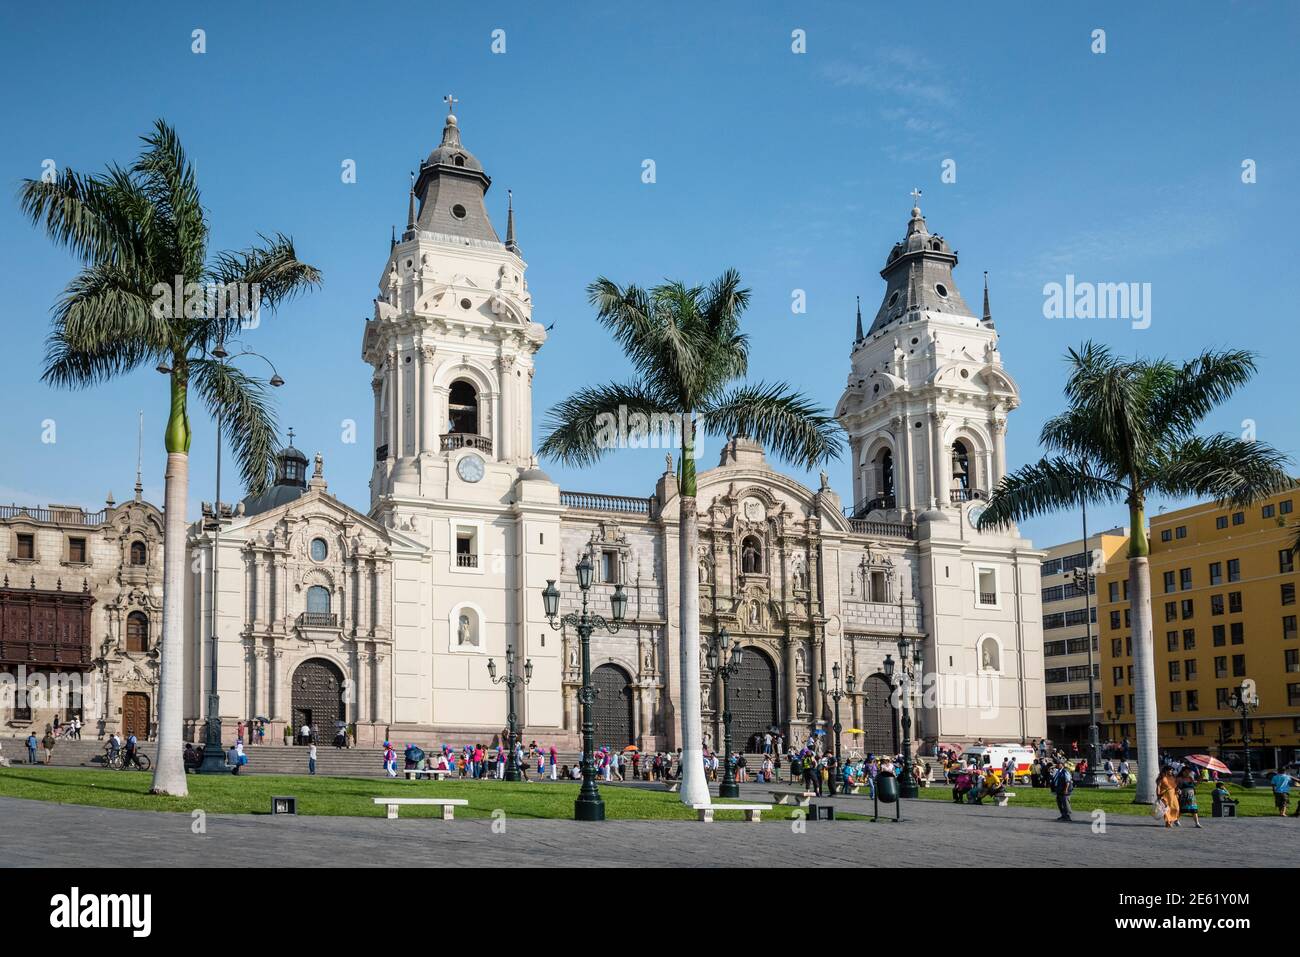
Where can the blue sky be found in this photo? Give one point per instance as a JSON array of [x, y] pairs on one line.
[[1123, 166]]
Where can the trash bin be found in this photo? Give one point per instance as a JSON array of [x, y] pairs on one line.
[[886, 787]]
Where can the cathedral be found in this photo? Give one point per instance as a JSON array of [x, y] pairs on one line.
[[385, 616]]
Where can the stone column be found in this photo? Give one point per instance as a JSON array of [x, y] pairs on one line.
[[428, 413], [791, 687], [905, 469], [999, 452], [376, 388], [942, 463], [275, 682]]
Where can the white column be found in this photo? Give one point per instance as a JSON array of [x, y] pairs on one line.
[[428, 414], [999, 451], [942, 463]]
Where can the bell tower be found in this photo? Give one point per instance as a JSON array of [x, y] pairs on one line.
[[926, 402], [452, 340]]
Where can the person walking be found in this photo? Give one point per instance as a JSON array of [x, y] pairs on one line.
[[1167, 796], [1281, 791], [48, 744], [31, 748], [311, 759], [1187, 794], [554, 755], [1063, 787]]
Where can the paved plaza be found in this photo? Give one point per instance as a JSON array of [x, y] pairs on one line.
[[932, 834]]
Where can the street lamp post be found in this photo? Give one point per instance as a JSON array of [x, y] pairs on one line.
[[214, 517], [588, 806], [1083, 581], [1244, 700], [911, 655], [725, 661], [510, 679], [837, 693]]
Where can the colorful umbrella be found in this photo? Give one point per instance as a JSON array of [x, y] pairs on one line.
[[1207, 762], [631, 747]]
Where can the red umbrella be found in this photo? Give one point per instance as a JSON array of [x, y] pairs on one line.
[[1207, 762]]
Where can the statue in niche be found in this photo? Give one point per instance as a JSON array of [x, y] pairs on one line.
[[750, 557], [800, 662], [801, 705], [465, 632], [704, 572], [573, 656], [706, 692], [800, 573], [754, 616]]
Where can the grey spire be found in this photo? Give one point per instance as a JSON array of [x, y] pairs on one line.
[[858, 336], [450, 188], [988, 315], [392, 236], [510, 225], [410, 212]]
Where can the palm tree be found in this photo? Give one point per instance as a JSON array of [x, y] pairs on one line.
[[1129, 432], [149, 295], [688, 352]]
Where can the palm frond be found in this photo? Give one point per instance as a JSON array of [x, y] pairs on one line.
[[247, 420], [97, 219], [1197, 388], [1228, 469], [167, 177], [579, 428], [1049, 485], [270, 273], [784, 422]]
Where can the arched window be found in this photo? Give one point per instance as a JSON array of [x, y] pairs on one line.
[[462, 408], [961, 463], [751, 555], [139, 554], [884, 469], [137, 632], [318, 600]]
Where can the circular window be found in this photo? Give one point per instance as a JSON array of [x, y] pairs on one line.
[[408, 360], [319, 549], [918, 425], [458, 211], [465, 303], [965, 373], [915, 340], [941, 289], [893, 299]]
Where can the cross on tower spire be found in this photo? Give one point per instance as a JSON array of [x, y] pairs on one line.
[[291, 435], [451, 102], [916, 196]]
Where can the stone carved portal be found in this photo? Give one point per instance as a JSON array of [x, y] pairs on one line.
[[318, 697]]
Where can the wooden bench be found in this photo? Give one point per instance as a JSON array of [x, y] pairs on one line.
[[448, 805], [413, 774], [753, 812], [785, 797]]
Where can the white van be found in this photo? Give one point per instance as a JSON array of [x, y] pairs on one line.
[[993, 755]]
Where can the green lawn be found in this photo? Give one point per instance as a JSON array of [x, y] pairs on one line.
[[251, 794], [1255, 802]]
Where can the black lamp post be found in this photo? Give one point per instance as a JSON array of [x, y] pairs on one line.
[[214, 517], [725, 661], [911, 656], [589, 806], [837, 693], [1244, 700], [510, 679]]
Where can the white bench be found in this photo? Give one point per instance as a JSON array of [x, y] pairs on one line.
[[413, 774], [448, 805], [1002, 799], [673, 786], [753, 812], [785, 797]]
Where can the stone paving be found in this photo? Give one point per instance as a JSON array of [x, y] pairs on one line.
[[932, 834]]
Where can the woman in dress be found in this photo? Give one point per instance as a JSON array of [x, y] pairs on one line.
[[1167, 793], [1187, 794]]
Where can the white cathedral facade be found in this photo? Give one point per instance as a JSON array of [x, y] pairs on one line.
[[385, 616]]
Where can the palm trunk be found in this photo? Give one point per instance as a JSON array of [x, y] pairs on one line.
[[695, 789], [1144, 673], [169, 764]]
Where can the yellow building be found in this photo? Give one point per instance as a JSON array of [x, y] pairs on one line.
[[1223, 604]]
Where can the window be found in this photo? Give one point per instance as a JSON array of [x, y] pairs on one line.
[[1169, 582], [76, 551], [986, 586], [1180, 728], [1293, 694], [1238, 518], [1180, 531], [1222, 699], [1284, 508], [1175, 701], [1266, 511], [1117, 675], [1171, 641], [609, 566], [137, 632], [139, 554], [1175, 671], [1285, 561], [1184, 579], [26, 548], [1221, 522], [1216, 604], [1291, 659], [1236, 630], [1189, 639], [1234, 602], [1165, 535], [1216, 573], [1187, 608], [1128, 623], [1171, 611], [1119, 704], [1198, 728], [1115, 620], [462, 408], [1219, 637], [1189, 669], [1220, 666], [466, 547], [319, 549], [1193, 700], [318, 600], [1116, 647], [1288, 627], [1234, 569], [1288, 593], [1239, 666], [1113, 589]]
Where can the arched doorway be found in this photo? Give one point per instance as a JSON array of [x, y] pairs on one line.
[[753, 695], [878, 718], [612, 710], [318, 698]]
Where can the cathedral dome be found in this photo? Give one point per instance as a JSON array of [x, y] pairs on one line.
[[450, 152], [918, 274]]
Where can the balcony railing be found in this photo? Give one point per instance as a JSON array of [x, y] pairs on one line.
[[861, 526], [959, 495], [451, 441], [467, 561], [318, 619], [879, 503], [381, 453], [988, 598], [55, 516], [596, 502]]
